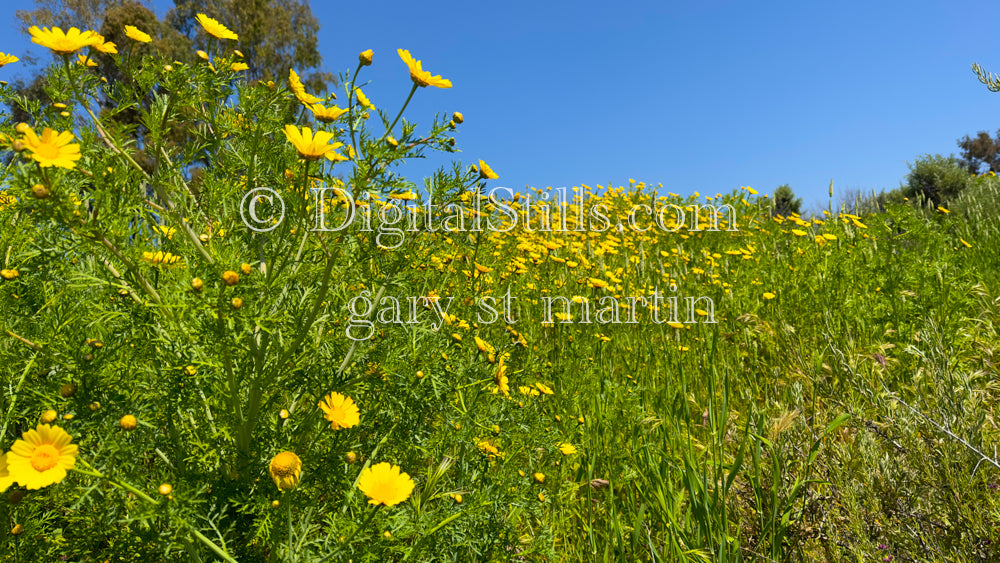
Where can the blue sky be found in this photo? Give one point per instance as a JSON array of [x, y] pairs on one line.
[[705, 96]]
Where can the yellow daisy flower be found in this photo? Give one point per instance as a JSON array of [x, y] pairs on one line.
[[486, 172], [85, 60], [383, 483], [106, 47], [363, 99], [285, 469], [135, 34], [213, 27], [310, 146], [300, 90], [6, 59], [341, 411], [63, 43], [41, 457], [5, 479], [420, 76], [327, 115], [567, 449], [236, 67], [52, 148]]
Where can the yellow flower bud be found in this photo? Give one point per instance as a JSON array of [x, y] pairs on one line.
[[197, 284], [128, 423], [230, 277], [68, 390], [457, 117], [237, 303], [366, 57], [49, 416], [165, 489]]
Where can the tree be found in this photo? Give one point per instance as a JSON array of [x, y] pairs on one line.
[[785, 202], [935, 178], [979, 151], [275, 35]]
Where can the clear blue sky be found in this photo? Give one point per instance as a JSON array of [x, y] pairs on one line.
[[706, 96]]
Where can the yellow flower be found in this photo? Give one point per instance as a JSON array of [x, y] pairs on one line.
[[128, 422], [215, 28], [545, 389], [133, 33], [310, 146], [9, 274], [340, 411], [236, 67], [384, 484], [567, 449], [285, 469], [85, 60], [63, 43], [488, 448], [486, 172], [539, 477], [6, 59], [768, 295], [420, 76], [41, 457], [106, 47], [327, 115], [366, 57], [160, 257], [230, 277], [300, 90], [5, 479], [52, 149], [363, 99]]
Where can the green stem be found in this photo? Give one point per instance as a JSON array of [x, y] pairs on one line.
[[401, 110]]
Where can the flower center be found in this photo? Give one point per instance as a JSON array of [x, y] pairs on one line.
[[284, 464], [45, 457], [47, 151]]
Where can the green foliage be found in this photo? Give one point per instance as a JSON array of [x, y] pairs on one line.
[[935, 179], [785, 202]]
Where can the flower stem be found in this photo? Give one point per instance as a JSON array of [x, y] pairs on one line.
[[401, 110]]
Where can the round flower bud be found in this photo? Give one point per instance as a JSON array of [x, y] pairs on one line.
[[128, 423], [95, 406], [237, 303], [283, 413], [457, 117], [69, 416], [39, 191], [366, 57], [165, 489], [351, 457], [48, 416], [245, 268], [95, 343], [22, 128], [458, 498], [18, 145], [8, 274], [17, 530], [230, 277], [539, 477], [197, 284], [67, 390], [392, 141], [15, 497], [420, 375], [275, 503]]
